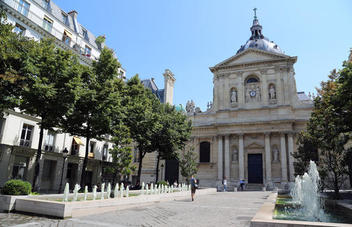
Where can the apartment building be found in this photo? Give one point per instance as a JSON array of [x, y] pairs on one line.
[[63, 154]]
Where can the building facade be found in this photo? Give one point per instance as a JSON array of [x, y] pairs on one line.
[[19, 133], [249, 130]]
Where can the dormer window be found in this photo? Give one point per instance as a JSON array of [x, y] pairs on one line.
[[46, 4], [85, 33], [65, 18]]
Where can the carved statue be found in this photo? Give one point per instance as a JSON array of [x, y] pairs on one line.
[[275, 154], [233, 96], [190, 106], [272, 92], [209, 105], [258, 93], [197, 110]]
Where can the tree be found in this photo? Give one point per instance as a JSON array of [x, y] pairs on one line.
[[100, 100], [52, 75], [306, 151], [173, 135], [14, 49], [324, 130], [142, 121], [122, 151], [188, 163]]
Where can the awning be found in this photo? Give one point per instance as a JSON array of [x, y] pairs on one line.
[[67, 33], [78, 140]]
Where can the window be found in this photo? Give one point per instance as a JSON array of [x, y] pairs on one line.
[[252, 80], [46, 4], [19, 29], [26, 135], [49, 141], [85, 33], [76, 142], [204, 152], [65, 18], [92, 147], [19, 169], [47, 24], [23, 7], [135, 155], [87, 51], [67, 37], [105, 152]]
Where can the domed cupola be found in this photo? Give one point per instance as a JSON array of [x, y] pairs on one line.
[[258, 40]]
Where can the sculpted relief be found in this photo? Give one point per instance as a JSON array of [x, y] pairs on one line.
[[252, 89]]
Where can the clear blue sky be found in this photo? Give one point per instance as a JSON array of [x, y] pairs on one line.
[[189, 36]]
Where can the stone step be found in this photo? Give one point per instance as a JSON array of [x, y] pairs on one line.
[[254, 187]]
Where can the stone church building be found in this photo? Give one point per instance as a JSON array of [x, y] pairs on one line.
[[250, 129]]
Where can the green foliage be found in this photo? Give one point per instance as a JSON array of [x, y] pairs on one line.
[[14, 50], [17, 187], [329, 129], [188, 163], [306, 151], [99, 104]]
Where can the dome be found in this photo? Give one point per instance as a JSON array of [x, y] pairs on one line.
[[258, 40]]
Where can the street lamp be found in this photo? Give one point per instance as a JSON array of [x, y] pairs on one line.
[[64, 155]]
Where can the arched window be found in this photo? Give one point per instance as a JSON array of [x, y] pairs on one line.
[[204, 152], [252, 80]]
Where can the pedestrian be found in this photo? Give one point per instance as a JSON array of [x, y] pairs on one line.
[[224, 182], [242, 184], [193, 187]]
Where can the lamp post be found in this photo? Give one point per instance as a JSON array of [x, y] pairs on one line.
[[162, 171], [64, 155]]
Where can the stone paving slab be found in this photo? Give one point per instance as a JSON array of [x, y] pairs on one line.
[[220, 209]]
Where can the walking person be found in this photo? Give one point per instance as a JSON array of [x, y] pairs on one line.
[[242, 182], [193, 187], [224, 182]]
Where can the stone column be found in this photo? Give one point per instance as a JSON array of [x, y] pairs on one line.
[[267, 158], [220, 158], [227, 157], [241, 156], [283, 158], [290, 156]]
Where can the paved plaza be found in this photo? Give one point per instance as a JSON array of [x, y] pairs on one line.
[[220, 209]]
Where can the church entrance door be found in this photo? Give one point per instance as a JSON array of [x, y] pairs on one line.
[[255, 169]]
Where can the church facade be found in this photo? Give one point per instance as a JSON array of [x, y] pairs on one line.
[[250, 129]]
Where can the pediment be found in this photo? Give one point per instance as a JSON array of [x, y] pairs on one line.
[[250, 56], [254, 146]]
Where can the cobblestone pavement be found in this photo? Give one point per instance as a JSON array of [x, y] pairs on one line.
[[220, 209]]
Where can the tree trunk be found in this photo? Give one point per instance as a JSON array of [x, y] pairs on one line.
[[157, 169], [85, 162], [35, 185], [336, 187], [141, 156]]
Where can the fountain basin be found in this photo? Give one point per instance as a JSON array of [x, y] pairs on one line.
[[265, 217], [43, 206]]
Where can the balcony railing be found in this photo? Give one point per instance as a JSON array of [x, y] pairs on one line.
[[29, 14]]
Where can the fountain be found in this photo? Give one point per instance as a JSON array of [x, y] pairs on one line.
[[127, 191], [305, 203], [116, 191], [94, 192], [75, 192], [147, 190], [102, 191], [121, 190], [142, 189], [66, 192], [85, 192], [108, 191]]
